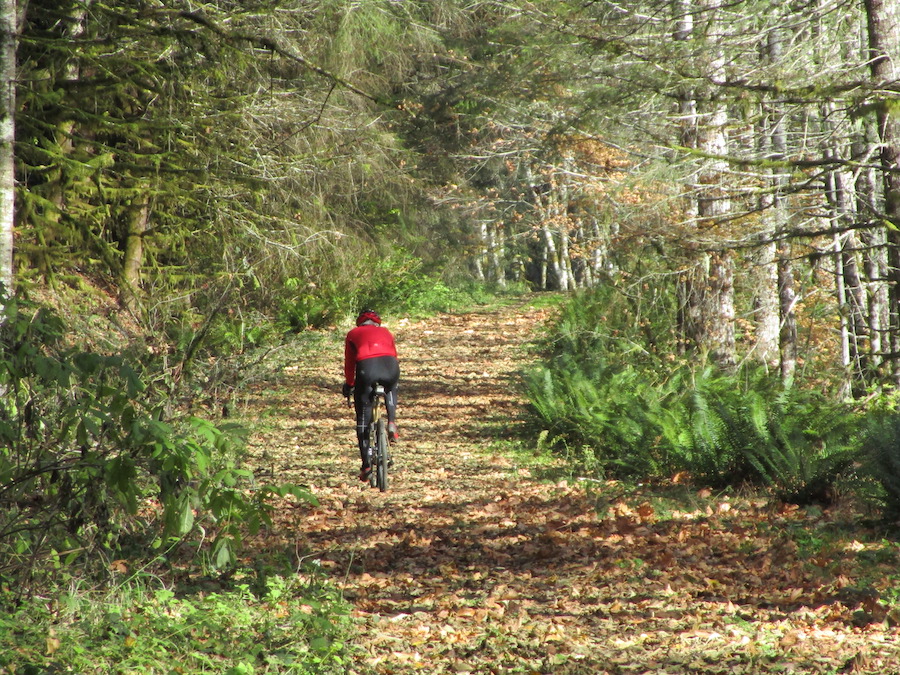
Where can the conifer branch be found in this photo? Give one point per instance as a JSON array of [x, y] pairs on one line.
[[277, 46]]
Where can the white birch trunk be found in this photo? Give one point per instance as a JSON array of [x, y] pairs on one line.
[[7, 140], [553, 263], [496, 256], [566, 282], [713, 206], [875, 267], [787, 300], [841, 294], [481, 257]]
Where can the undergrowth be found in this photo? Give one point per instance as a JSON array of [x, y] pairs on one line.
[[292, 625], [102, 473], [613, 396], [399, 285]]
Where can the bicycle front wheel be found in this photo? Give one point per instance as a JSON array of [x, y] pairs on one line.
[[381, 454]]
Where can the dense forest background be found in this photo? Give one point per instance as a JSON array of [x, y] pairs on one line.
[[715, 186], [731, 168]]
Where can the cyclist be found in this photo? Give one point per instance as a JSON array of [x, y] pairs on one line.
[[370, 358]]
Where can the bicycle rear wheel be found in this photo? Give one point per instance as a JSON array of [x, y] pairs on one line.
[[381, 454]]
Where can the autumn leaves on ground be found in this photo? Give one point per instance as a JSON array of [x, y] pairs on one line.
[[474, 562]]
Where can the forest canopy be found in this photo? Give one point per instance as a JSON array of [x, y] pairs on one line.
[[235, 163]]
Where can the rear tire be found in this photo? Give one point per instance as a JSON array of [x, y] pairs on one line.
[[381, 455]]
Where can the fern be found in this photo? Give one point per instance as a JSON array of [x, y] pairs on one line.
[[881, 446], [605, 395], [599, 408], [804, 444]]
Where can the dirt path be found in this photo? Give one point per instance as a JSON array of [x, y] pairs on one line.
[[467, 564]]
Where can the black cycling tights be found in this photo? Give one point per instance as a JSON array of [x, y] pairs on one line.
[[383, 370]]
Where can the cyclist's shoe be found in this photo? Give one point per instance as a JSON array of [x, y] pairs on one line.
[[365, 473], [393, 434]]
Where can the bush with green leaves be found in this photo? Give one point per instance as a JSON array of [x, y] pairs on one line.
[[605, 392], [394, 284], [307, 305], [400, 283], [615, 325], [90, 462], [602, 411]]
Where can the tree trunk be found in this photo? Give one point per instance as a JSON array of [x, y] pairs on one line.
[[858, 325], [841, 295], [720, 309], [565, 262], [713, 207], [765, 269], [72, 73], [884, 52], [496, 255], [481, 256], [787, 300], [7, 140], [874, 245], [553, 260], [138, 217], [848, 288], [765, 298], [689, 291]]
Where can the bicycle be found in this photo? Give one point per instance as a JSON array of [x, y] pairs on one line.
[[379, 445], [379, 441]]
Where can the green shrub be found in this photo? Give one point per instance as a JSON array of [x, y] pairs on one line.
[[702, 426], [608, 325], [400, 284], [86, 446], [393, 285], [606, 390], [881, 445], [305, 305], [599, 408], [802, 443]]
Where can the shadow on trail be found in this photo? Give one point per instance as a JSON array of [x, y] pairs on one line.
[[545, 551]]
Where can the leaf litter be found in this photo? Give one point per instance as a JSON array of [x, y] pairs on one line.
[[469, 564]]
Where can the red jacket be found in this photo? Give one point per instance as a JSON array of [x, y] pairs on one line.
[[366, 342]]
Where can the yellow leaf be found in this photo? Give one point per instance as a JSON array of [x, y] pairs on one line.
[[53, 643]]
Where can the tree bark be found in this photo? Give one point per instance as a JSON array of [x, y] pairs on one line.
[[884, 51], [76, 26], [496, 255], [848, 288], [138, 217], [787, 300], [689, 291], [874, 245], [771, 145], [713, 206], [7, 141]]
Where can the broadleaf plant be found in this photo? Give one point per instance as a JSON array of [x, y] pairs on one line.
[[87, 454]]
